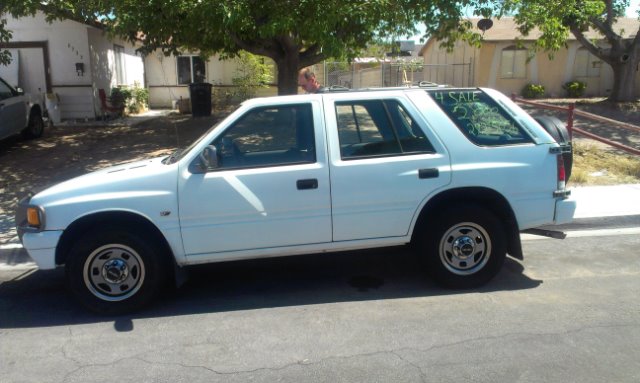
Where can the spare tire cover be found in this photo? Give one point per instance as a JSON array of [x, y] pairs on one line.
[[558, 130]]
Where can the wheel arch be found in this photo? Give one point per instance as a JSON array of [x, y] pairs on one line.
[[486, 197], [35, 108], [120, 218]]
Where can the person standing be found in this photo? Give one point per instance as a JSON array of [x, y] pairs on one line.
[[307, 81]]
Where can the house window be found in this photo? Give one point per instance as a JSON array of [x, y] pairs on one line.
[[118, 52], [191, 69], [586, 64], [513, 63]]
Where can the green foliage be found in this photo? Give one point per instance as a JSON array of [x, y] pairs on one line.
[[135, 98], [556, 20], [251, 74], [574, 88], [294, 34], [533, 91]]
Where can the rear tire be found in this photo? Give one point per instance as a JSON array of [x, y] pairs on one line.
[[35, 128], [116, 271], [464, 247]]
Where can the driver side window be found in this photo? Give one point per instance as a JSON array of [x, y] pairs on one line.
[[268, 136], [5, 91]]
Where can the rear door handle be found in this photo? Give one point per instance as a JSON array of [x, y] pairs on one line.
[[428, 173], [311, 183]]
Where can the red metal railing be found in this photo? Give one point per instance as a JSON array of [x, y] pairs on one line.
[[572, 112]]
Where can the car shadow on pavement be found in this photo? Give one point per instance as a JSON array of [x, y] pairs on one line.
[[41, 299]]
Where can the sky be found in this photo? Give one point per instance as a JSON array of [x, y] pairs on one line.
[[632, 11]]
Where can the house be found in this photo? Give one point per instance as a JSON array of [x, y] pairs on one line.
[[501, 62], [70, 59], [168, 77]]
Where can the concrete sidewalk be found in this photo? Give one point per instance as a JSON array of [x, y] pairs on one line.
[[606, 201], [593, 202]]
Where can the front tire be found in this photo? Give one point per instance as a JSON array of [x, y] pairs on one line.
[[35, 128], [115, 271], [465, 247]]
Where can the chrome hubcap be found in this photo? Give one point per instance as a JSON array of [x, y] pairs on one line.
[[114, 272], [465, 248]]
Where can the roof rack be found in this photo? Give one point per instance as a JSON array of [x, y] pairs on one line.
[[421, 84]]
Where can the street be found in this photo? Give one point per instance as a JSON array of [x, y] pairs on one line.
[[568, 313]]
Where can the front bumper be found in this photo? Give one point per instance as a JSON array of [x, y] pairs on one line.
[[41, 247]]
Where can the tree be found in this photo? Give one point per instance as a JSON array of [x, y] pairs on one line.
[[295, 34], [556, 19]]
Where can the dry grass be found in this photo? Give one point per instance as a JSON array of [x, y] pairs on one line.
[[593, 165]]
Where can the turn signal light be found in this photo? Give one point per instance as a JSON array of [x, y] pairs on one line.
[[33, 217], [562, 174]]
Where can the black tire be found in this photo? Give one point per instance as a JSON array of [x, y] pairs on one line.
[[35, 128], [560, 133], [116, 270], [464, 247]]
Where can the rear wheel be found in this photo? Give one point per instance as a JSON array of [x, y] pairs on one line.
[[35, 128], [464, 247], [115, 271]]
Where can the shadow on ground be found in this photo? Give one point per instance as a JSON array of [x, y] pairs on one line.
[[41, 299]]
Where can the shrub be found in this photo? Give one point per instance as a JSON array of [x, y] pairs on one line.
[[135, 98], [574, 88], [252, 73], [533, 91]]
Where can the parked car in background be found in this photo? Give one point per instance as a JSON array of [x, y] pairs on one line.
[[19, 113]]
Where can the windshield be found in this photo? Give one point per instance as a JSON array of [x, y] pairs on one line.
[[180, 152]]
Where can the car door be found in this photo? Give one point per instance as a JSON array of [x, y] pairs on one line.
[[12, 111], [384, 164], [269, 187]]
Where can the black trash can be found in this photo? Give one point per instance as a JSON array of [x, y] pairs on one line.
[[200, 93]]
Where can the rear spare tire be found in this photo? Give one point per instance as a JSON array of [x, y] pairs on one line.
[[558, 130]]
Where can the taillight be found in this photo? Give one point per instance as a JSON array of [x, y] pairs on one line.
[[562, 174]]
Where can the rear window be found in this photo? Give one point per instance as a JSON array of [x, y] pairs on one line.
[[480, 118]]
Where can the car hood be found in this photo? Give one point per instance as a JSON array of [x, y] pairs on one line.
[[140, 177]]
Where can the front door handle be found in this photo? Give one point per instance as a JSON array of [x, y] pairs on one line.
[[428, 173], [311, 183]]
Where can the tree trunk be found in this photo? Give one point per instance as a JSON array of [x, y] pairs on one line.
[[625, 70], [288, 67], [624, 80]]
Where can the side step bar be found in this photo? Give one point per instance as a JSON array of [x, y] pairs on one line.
[[546, 233]]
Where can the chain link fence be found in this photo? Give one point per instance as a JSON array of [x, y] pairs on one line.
[[389, 74]]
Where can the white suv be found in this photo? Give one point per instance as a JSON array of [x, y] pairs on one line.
[[19, 113], [457, 172]]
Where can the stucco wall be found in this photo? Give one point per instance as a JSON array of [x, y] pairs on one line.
[[70, 43], [551, 73], [162, 78]]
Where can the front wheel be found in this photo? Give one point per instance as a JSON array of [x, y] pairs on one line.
[[35, 128], [464, 247], [115, 271]]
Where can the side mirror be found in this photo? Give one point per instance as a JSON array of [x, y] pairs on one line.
[[206, 160], [20, 91], [209, 158]]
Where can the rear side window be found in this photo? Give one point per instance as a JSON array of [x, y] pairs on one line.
[[480, 118], [374, 128]]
